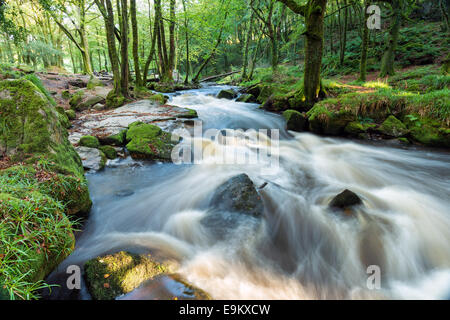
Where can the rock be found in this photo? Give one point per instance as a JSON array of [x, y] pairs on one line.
[[113, 275], [164, 87], [238, 194], [79, 83], [189, 114], [109, 152], [265, 93], [229, 94], [35, 128], [166, 287], [254, 90], [71, 114], [146, 141], [93, 159], [114, 100], [118, 139], [65, 94], [85, 99], [89, 141], [247, 98], [124, 193], [393, 127], [99, 107], [295, 121], [431, 135], [345, 200], [356, 128], [159, 98]]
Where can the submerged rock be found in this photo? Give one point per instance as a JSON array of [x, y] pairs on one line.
[[295, 121], [238, 194], [344, 200], [229, 94], [92, 158]]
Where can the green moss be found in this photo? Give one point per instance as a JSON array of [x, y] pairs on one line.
[[89, 141], [89, 103], [71, 114], [164, 87], [113, 275], [31, 129], [146, 141], [94, 82], [118, 139], [189, 114], [393, 127], [38, 83], [76, 99], [246, 98], [65, 94], [295, 120], [114, 100], [355, 128], [109, 152], [159, 98]]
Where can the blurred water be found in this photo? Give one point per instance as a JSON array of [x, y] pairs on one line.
[[300, 250]]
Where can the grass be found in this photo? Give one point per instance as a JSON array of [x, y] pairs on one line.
[[38, 83], [34, 231]]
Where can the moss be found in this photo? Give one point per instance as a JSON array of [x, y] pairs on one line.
[[355, 128], [118, 139], [295, 120], [227, 94], [71, 114], [246, 98], [164, 87], [89, 141], [30, 129], [65, 94], [38, 83], [159, 98], [189, 114], [94, 82], [404, 140], [113, 275], [109, 152], [431, 136], [265, 93], [393, 127], [114, 100], [89, 103], [76, 99], [146, 141]]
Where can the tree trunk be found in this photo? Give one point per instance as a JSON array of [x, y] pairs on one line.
[[387, 62], [247, 43], [186, 23], [364, 44], [344, 35], [124, 72], [171, 62], [134, 27]]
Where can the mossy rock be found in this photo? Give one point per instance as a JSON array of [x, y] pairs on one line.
[[94, 82], [89, 141], [32, 129], [146, 141], [246, 98], [159, 98], [431, 136], [65, 94], [118, 139], [109, 152], [114, 100], [189, 114], [76, 99], [393, 127], [295, 121], [113, 275], [71, 114], [265, 93], [63, 118], [276, 103], [229, 94], [356, 128]]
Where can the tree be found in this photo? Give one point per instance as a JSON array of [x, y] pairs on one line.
[[313, 12], [134, 27]]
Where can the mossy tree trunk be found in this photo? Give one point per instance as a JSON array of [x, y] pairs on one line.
[[314, 13], [172, 49], [387, 62], [364, 43], [246, 48], [124, 65], [186, 34], [134, 27]]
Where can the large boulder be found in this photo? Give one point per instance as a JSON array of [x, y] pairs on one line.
[[295, 121], [229, 94], [85, 99], [31, 128], [239, 195], [146, 141], [114, 275], [247, 98]]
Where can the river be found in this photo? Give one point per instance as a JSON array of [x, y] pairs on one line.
[[299, 249]]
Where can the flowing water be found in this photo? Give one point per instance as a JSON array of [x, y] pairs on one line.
[[299, 249]]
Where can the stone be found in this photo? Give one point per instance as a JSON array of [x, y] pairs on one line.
[[295, 121], [93, 159], [345, 200], [229, 94]]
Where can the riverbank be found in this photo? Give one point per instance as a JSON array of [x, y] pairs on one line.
[[412, 107]]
